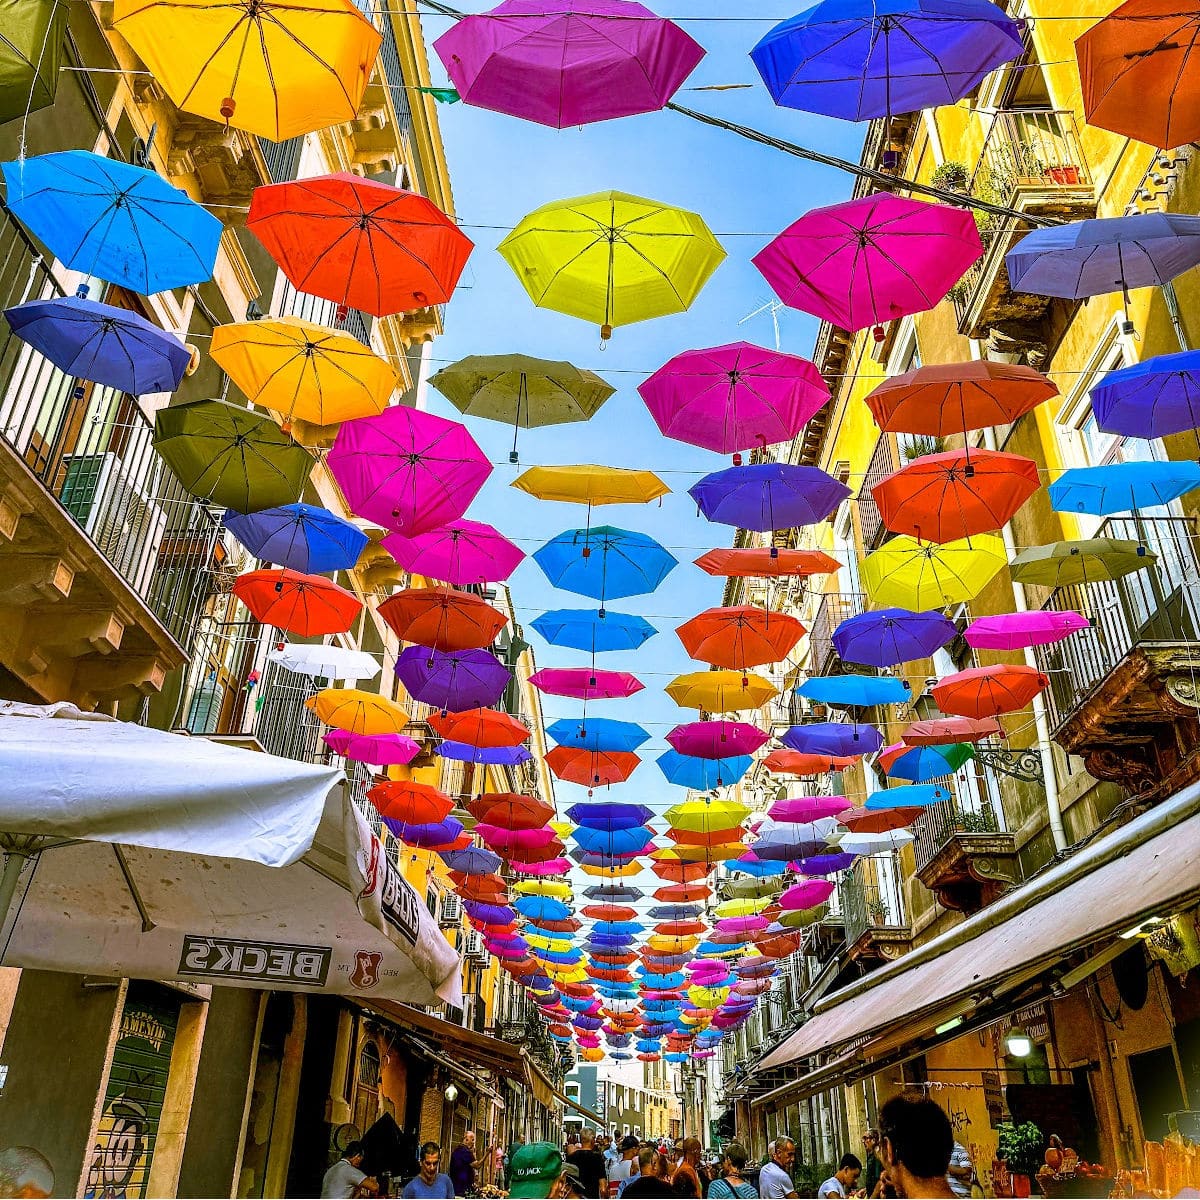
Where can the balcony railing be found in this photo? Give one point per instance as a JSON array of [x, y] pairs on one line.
[[870, 899], [870, 523], [941, 822], [835, 607]]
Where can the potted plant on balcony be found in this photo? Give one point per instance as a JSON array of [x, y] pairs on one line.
[[952, 177], [1020, 1148]]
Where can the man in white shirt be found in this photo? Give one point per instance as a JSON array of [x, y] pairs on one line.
[[625, 1168], [841, 1183], [775, 1179], [344, 1179]]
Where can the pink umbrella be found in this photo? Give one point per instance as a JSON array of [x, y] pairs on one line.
[[1015, 631], [381, 749], [734, 397], [807, 808], [741, 924], [870, 260], [502, 840], [716, 739], [808, 894], [583, 683], [461, 552], [407, 469], [752, 987], [567, 62], [553, 866]]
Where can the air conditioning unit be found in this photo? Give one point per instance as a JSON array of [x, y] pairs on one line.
[[451, 910], [474, 948]]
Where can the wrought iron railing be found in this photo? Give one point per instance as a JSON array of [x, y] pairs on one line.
[[941, 822], [834, 608], [869, 900], [870, 523]]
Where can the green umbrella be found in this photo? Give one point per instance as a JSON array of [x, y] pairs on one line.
[[1092, 560], [32, 33], [521, 391], [798, 918], [234, 457], [750, 888]]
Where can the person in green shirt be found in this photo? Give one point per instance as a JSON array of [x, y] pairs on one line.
[[872, 1165]]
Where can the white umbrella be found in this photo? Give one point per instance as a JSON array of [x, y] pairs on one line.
[[329, 662], [873, 843]]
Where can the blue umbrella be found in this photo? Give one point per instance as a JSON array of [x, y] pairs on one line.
[[649, 1046], [604, 562], [301, 537], [888, 636], [453, 681], [474, 861], [922, 763], [608, 944], [768, 496], [599, 734], [662, 983], [566, 957], [833, 739], [703, 774], [825, 864], [590, 858], [501, 756], [856, 691], [586, 629], [609, 815], [542, 908], [861, 59], [102, 344], [1122, 487], [759, 870], [612, 841], [718, 949], [601, 929], [912, 795], [125, 224], [613, 893], [1152, 398]]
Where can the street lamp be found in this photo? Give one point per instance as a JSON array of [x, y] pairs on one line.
[[451, 1093], [1018, 1043]]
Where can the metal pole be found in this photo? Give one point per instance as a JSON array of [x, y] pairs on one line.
[[14, 861], [1172, 302]]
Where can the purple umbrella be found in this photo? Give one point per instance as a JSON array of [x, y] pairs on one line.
[[489, 914], [434, 833], [474, 861], [833, 739], [825, 864], [460, 552], [497, 756], [455, 681], [768, 496], [887, 636], [1152, 398]]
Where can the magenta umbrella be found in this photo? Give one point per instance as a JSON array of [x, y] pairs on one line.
[[567, 62], [807, 808], [1016, 631], [552, 866], [503, 840], [734, 397], [380, 749], [584, 683], [716, 739], [460, 553], [749, 924], [870, 260], [808, 894], [407, 469]]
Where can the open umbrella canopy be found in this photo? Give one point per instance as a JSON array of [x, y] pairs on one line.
[[856, 691], [703, 774], [1151, 398], [834, 739], [870, 260], [307, 605], [112, 346], [458, 552], [452, 681], [734, 397], [301, 537], [1123, 486], [357, 712], [945, 731], [721, 691], [381, 750], [488, 756], [741, 636], [611, 258], [766, 562], [884, 820], [988, 691], [801, 762], [807, 808], [1017, 631], [589, 484], [586, 683], [716, 739], [888, 636], [859, 60], [592, 768], [920, 575], [31, 49], [609, 815], [442, 618], [614, 843], [510, 810], [768, 496], [328, 662], [122, 223], [597, 733], [479, 727], [586, 629], [1090, 560], [617, 893], [909, 795], [409, 803], [918, 764], [604, 562], [701, 816]]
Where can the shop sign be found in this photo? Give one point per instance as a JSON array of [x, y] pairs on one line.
[[993, 1098], [271, 962], [1035, 1020]]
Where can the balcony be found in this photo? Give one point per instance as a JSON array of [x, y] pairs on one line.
[[870, 524], [835, 607], [1125, 694], [1031, 161], [877, 929]]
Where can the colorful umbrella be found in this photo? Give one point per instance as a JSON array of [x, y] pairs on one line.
[[704, 815], [230, 455], [615, 843], [122, 223], [115, 347], [807, 895], [703, 774], [1016, 631], [586, 683], [716, 739], [307, 605], [864, 820], [611, 258], [597, 733], [807, 808], [766, 563], [910, 795], [591, 485], [856, 691], [605, 563], [357, 712], [479, 727], [409, 803], [452, 681], [609, 815], [804, 763], [511, 810], [586, 629], [741, 636], [592, 768], [1090, 560], [1123, 487], [944, 731], [430, 835], [888, 636], [1152, 398], [768, 496], [473, 862], [325, 662], [858, 61], [734, 397], [988, 691], [614, 894], [409, 470], [381, 750], [921, 575], [921, 763], [359, 242], [459, 552], [564, 64], [31, 49], [301, 537], [833, 739], [442, 618], [871, 260], [721, 691], [488, 756]]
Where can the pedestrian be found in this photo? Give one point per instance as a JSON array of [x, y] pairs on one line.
[[961, 1170], [843, 1181], [345, 1179], [513, 1147], [648, 1182], [730, 1182], [612, 1155], [431, 1183], [570, 1184], [775, 1179], [625, 1168], [589, 1163], [572, 1144], [685, 1182], [872, 1164], [536, 1172], [462, 1165], [916, 1142]]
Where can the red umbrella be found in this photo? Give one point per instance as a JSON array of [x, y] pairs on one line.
[[712, 837], [682, 872], [511, 810], [862, 820], [572, 925], [988, 691], [948, 731], [442, 618], [592, 768], [307, 605], [410, 803], [624, 959], [489, 889], [798, 762], [360, 243], [610, 912], [482, 727], [679, 928], [766, 562], [740, 637], [682, 893]]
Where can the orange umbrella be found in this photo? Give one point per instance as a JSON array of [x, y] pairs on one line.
[[988, 691], [491, 889], [592, 768], [863, 820], [610, 912], [511, 811], [948, 731], [571, 925], [682, 872], [307, 605], [679, 928], [443, 618], [612, 975], [682, 893], [625, 959], [766, 562], [410, 803], [955, 397], [779, 945], [479, 727], [711, 837], [798, 762], [740, 637], [946, 497]]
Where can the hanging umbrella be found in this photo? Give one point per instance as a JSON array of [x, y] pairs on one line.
[[612, 259], [1152, 398], [807, 895], [919, 764], [766, 562], [615, 894], [988, 691], [473, 862], [884, 820], [1123, 487], [605, 563], [325, 662], [609, 815], [586, 683], [442, 618], [511, 810], [357, 712], [721, 691], [543, 887], [768, 496], [856, 691], [922, 575], [955, 495], [359, 242], [307, 605], [1091, 560], [409, 803], [735, 397], [741, 636], [301, 537], [303, 370], [701, 816], [944, 731], [592, 768], [122, 223], [859, 61], [591, 485], [381, 750], [1016, 631], [888, 636], [836, 740], [227, 454], [615, 843], [716, 739], [564, 64], [683, 892], [586, 629], [597, 733], [31, 47], [494, 756], [807, 808], [454, 681], [409, 470], [871, 260], [459, 552], [797, 762], [703, 774], [954, 397], [479, 727], [115, 347], [910, 795]]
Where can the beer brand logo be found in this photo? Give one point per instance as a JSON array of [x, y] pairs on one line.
[[366, 969], [232, 958], [385, 888]]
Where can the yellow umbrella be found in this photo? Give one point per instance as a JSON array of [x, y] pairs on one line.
[[591, 1054], [562, 828], [543, 887], [708, 997], [673, 944], [721, 691], [548, 941], [589, 484], [922, 575], [611, 258], [358, 711], [699, 816], [277, 68], [621, 872], [699, 853], [304, 371], [742, 908]]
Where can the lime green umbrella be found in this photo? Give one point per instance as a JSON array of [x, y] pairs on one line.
[[32, 33], [612, 259], [1090, 560], [522, 391], [234, 457]]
